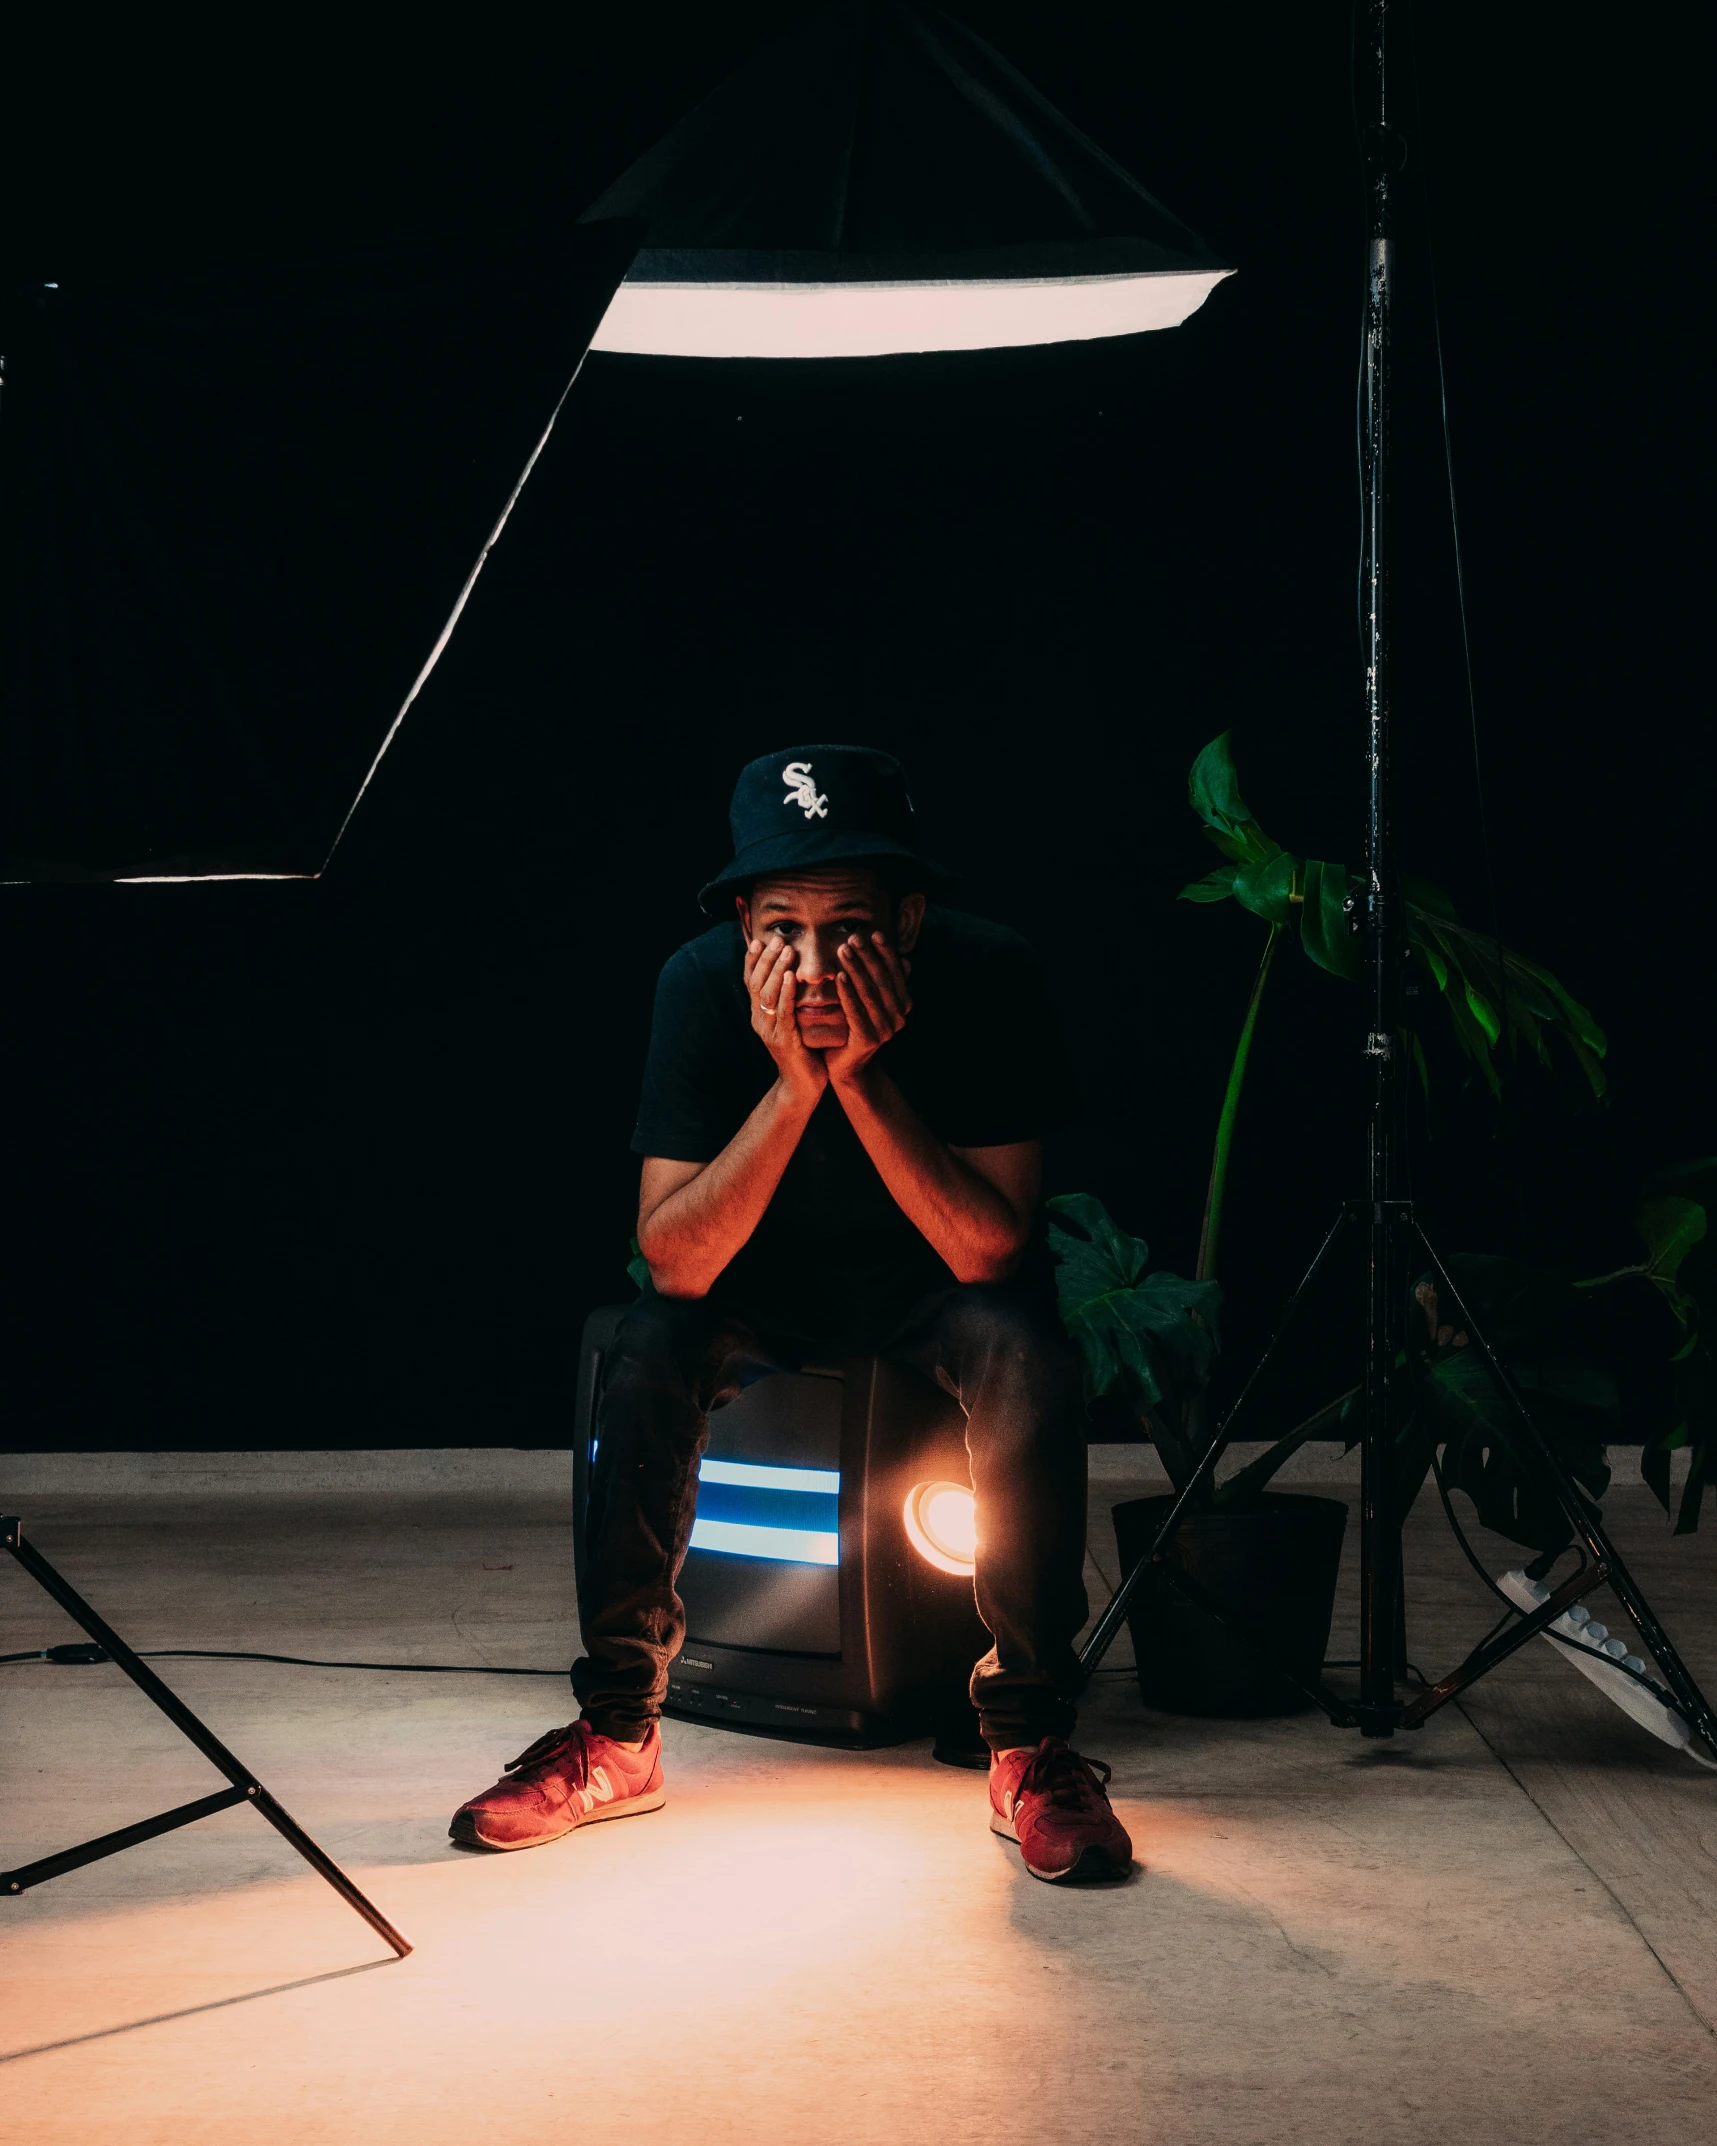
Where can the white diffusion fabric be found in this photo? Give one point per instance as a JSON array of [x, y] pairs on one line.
[[869, 320]]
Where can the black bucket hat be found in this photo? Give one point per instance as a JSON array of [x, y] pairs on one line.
[[809, 805]]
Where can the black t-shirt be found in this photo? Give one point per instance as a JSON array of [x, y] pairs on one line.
[[980, 1059]]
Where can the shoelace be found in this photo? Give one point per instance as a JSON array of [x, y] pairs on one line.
[[544, 1756], [1070, 1781]]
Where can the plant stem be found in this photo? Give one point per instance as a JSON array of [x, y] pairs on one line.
[[1212, 1230], [1245, 1483]]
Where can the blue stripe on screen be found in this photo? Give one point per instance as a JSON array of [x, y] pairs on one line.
[[748, 1510], [768, 1508], [791, 1546]]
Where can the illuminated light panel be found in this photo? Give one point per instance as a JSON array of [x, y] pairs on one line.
[[746, 1509], [865, 320], [746, 1475], [942, 1526], [793, 1546]]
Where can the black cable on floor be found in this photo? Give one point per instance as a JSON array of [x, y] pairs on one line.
[[1467, 1551], [85, 1653]]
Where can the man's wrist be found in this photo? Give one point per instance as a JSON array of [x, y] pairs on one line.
[[798, 1098], [856, 1080]]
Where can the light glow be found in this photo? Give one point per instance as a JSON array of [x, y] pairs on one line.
[[873, 320], [942, 1526], [750, 1475], [793, 1546]]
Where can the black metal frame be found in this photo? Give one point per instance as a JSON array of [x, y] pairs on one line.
[[246, 1788], [1386, 1215], [1600, 1561]]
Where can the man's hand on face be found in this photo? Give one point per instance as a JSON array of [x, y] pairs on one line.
[[875, 997], [773, 986]]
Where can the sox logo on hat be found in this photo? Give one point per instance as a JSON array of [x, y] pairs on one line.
[[802, 791], [782, 822]]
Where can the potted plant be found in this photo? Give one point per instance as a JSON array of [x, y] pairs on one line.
[[1152, 1341], [1622, 1354]]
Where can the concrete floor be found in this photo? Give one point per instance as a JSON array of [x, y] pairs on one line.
[[1501, 1929]]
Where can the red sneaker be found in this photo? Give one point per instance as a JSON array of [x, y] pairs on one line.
[[571, 1777], [1056, 1805]]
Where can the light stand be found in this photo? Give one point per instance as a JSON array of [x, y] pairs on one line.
[[354, 358], [245, 1788], [1391, 1227], [1384, 152]]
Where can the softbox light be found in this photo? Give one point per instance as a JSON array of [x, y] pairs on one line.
[[241, 516], [880, 180]]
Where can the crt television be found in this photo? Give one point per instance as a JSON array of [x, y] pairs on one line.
[[821, 1599]]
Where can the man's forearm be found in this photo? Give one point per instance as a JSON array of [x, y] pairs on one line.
[[693, 1234], [968, 1223]]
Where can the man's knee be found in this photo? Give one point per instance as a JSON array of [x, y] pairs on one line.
[[656, 1327], [1012, 1336], [660, 1348]]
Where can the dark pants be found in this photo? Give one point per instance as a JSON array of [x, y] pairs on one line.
[[997, 1348]]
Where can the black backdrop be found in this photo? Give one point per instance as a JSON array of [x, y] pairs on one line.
[[346, 1164]]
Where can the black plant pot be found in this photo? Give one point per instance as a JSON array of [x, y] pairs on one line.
[[1276, 1562]]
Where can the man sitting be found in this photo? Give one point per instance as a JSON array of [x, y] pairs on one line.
[[841, 1128]]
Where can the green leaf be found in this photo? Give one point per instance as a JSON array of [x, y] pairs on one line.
[[1691, 1180], [1699, 1472], [1571, 1020], [1670, 1227], [1422, 1069], [1579, 1020], [1694, 1426], [1692, 1423], [1094, 1255], [1576, 1407], [1693, 1411], [1267, 889], [1431, 955], [1421, 894], [1696, 1275], [1468, 1034], [1324, 929], [1096, 1264], [1181, 1322], [1484, 1013], [1214, 791], [1215, 886], [638, 1267], [1543, 1326], [1156, 1337], [1654, 1467], [1528, 1314], [1494, 994]]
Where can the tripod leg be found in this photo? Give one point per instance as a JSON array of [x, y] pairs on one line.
[[1380, 1601], [324, 1865], [1400, 1649], [188, 1725], [1590, 1531], [92, 1851], [1103, 1633]]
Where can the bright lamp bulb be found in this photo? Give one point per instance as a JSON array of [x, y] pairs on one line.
[[942, 1525]]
